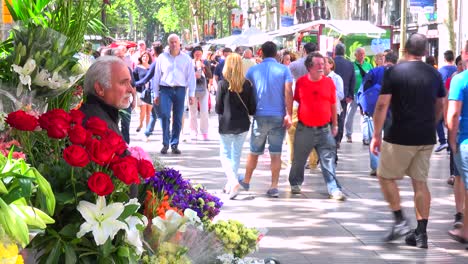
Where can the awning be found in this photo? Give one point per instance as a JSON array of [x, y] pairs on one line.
[[344, 27], [347, 27]]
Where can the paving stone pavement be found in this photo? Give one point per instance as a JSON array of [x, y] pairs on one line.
[[310, 228]]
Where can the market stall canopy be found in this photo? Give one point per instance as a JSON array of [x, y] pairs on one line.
[[224, 41], [251, 37], [344, 27]]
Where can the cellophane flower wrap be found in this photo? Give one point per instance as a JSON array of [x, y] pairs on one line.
[[39, 68]]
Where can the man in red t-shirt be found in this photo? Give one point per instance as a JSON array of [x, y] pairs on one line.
[[316, 96]]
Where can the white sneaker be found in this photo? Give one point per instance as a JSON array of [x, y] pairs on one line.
[[337, 195], [441, 147]]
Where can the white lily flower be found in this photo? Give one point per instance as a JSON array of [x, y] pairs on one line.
[[42, 78], [193, 218], [133, 201], [173, 222], [133, 236], [25, 71], [57, 81], [100, 219], [27, 68]]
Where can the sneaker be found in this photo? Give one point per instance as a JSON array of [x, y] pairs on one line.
[[337, 195], [147, 139], [458, 220], [373, 173], [349, 139], [451, 180], [397, 231], [244, 185], [273, 192], [441, 147], [416, 240], [295, 189], [175, 150], [164, 149], [365, 142], [205, 137]]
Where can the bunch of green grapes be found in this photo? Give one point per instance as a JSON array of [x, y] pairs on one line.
[[236, 237]]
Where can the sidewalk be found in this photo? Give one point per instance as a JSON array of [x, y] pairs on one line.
[[310, 228]]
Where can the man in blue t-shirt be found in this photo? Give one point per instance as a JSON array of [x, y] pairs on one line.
[[272, 83], [457, 122], [446, 71]]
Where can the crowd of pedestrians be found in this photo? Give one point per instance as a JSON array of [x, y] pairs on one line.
[[311, 100]]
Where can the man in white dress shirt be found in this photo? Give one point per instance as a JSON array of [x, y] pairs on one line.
[[174, 72]]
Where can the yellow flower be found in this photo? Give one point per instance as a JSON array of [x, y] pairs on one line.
[[9, 254]]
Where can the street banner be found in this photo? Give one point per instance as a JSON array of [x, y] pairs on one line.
[[6, 17], [208, 29], [287, 12], [237, 21], [425, 6]]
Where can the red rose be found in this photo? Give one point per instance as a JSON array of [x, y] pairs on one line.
[[22, 121], [100, 152], [96, 125], [77, 116], [101, 184], [76, 156], [115, 140], [56, 122], [79, 135], [146, 169], [126, 170]]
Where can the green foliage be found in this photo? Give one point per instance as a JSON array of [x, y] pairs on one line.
[[24, 196]]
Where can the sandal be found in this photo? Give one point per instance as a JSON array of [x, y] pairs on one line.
[[457, 237]]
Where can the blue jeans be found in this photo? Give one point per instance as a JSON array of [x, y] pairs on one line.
[[369, 131], [171, 98], [461, 160], [350, 112], [267, 128], [441, 132], [125, 118], [230, 152], [308, 138], [154, 117], [364, 128]]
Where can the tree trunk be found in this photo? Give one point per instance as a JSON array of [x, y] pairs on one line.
[[132, 25], [450, 26], [337, 9]]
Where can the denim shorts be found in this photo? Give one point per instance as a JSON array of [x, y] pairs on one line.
[[267, 128], [461, 160]]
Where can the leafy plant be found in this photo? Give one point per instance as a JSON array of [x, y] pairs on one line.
[[25, 196]]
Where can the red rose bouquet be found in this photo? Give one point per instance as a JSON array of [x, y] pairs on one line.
[[90, 171]]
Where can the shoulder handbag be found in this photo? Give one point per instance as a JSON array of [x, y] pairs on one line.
[[361, 70], [245, 106], [146, 96]]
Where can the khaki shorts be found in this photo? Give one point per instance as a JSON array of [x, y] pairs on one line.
[[396, 161]]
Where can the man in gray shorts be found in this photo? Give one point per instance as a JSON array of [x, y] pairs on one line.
[[415, 93]]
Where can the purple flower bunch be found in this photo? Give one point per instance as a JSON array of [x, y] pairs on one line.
[[183, 195]]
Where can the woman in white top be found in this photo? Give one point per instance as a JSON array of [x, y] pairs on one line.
[[337, 80]]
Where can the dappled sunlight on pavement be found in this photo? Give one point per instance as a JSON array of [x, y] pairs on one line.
[[309, 227]]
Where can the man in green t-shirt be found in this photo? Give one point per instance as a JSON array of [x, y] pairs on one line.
[[361, 67]]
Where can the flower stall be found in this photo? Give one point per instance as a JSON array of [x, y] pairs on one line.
[[74, 191]]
